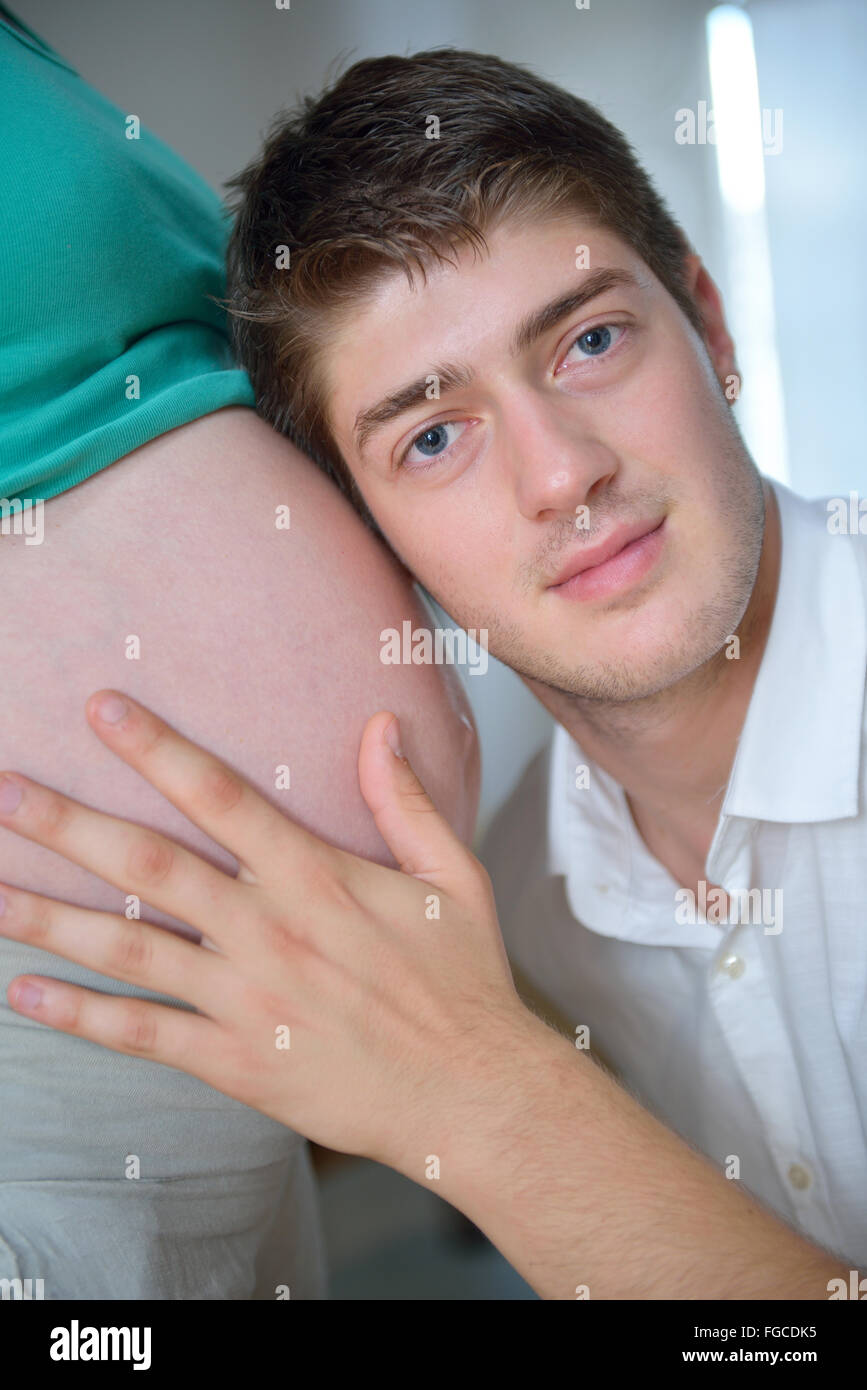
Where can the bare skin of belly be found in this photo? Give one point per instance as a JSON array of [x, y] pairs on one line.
[[261, 644]]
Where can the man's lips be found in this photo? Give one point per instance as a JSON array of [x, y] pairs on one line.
[[594, 555]]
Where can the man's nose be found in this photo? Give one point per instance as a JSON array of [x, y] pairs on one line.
[[556, 461]]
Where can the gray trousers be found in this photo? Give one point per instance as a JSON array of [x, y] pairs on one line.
[[224, 1205]]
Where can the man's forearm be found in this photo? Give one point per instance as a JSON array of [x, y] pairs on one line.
[[588, 1195]]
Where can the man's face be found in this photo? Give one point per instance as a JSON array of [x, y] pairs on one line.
[[562, 435]]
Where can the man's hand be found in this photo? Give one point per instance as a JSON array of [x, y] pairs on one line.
[[373, 1010], [354, 1003]]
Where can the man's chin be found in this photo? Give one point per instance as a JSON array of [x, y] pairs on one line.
[[636, 670], [602, 687]]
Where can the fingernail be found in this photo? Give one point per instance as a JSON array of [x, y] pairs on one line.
[[392, 738], [27, 997], [10, 796], [111, 709]]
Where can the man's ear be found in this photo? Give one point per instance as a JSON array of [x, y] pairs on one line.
[[718, 340]]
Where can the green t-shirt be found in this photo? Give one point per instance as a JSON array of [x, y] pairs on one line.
[[109, 249]]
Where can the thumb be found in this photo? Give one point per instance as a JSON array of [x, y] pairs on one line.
[[421, 840]]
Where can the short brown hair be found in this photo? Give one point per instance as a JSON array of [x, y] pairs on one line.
[[351, 186]]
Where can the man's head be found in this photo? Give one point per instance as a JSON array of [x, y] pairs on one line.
[[494, 337]]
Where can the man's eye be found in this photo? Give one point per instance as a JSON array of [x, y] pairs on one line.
[[596, 341], [433, 441]]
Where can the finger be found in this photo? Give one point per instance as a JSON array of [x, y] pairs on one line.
[[421, 840], [209, 793], [134, 859], [137, 1027], [133, 951]]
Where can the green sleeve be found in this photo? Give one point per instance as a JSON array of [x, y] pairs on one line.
[[111, 249]]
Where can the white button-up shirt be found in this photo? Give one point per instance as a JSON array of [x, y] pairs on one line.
[[747, 1035]]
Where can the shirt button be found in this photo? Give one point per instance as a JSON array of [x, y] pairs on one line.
[[799, 1176], [733, 966]]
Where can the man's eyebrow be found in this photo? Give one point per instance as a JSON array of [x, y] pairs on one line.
[[449, 377], [537, 323], [454, 376]]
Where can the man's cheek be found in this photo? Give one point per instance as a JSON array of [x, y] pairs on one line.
[[676, 449], [664, 415]]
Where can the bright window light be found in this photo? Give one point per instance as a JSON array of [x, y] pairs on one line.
[[740, 130]]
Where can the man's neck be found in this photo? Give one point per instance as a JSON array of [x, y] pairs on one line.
[[673, 752]]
